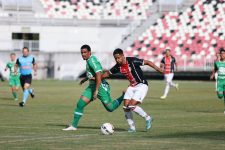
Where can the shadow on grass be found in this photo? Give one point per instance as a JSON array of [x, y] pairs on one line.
[[6, 98], [210, 135], [14, 105], [81, 127], [154, 98]]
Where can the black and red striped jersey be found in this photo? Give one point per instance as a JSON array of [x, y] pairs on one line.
[[169, 64], [132, 70]]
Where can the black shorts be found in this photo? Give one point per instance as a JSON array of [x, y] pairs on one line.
[[25, 79]]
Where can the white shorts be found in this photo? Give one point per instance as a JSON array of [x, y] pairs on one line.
[[137, 92], [168, 77]]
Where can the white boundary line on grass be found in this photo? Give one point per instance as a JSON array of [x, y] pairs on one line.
[[46, 138]]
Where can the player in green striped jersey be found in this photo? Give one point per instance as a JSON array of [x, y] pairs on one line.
[[97, 88], [219, 67], [14, 77]]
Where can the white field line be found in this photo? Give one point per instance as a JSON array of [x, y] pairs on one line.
[[47, 138]]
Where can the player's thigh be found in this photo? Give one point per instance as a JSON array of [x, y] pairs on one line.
[[17, 82], [11, 81], [129, 93], [140, 92], [220, 88], [169, 77], [88, 92], [104, 93]]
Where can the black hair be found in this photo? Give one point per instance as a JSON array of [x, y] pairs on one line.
[[26, 48], [167, 50], [118, 51], [221, 50], [86, 47]]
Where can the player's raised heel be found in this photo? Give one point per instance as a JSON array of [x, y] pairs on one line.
[[177, 87], [21, 104], [32, 93], [149, 123], [163, 97], [70, 128], [131, 130]]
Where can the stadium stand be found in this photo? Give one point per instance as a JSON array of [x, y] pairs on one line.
[[196, 33], [97, 9], [17, 5]]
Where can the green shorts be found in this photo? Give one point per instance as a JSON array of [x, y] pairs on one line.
[[14, 81], [103, 92], [220, 87]]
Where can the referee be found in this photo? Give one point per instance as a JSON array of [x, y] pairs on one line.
[[26, 63]]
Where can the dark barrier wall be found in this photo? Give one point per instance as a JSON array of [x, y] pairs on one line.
[[177, 76]]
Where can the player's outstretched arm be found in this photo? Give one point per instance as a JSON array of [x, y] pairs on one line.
[[151, 64], [83, 80], [16, 68], [98, 81], [6, 68], [212, 75], [105, 74], [35, 68]]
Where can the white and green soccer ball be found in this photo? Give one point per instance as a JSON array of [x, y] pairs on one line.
[[107, 129]]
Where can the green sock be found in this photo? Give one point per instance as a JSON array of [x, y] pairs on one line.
[[78, 112], [14, 95], [113, 105]]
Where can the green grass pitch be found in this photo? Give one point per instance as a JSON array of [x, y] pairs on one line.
[[189, 119]]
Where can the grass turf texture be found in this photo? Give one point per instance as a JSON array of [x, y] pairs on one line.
[[189, 119]]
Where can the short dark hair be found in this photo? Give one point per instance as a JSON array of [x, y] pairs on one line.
[[221, 50], [167, 50], [118, 51], [86, 47], [12, 54], [26, 48]]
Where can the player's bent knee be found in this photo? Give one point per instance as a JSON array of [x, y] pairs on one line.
[[220, 95], [132, 107]]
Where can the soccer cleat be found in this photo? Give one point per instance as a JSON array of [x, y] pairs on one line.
[[177, 87], [149, 123], [131, 130], [163, 97], [21, 104], [32, 93], [70, 128]]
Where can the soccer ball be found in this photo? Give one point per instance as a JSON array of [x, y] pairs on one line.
[[107, 128]]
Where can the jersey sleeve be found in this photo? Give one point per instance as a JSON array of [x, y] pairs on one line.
[[18, 62], [7, 65], [174, 60], [33, 61], [163, 61], [215, 67], [114, 69], [95, 65], [137, 61]]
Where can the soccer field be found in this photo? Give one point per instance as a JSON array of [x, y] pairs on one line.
[[189, 119]]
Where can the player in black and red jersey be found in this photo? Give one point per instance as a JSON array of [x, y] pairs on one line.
[[138, 88]]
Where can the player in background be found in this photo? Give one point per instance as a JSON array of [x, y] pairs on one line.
[[168, 63], [219, 67], [138, 88], [14, 77], [26, 64], [215, 74], [1, 77], [97, 88]]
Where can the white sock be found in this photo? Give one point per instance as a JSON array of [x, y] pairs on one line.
[[129, 118], [141, 112], [167, 88], [173, 84]]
